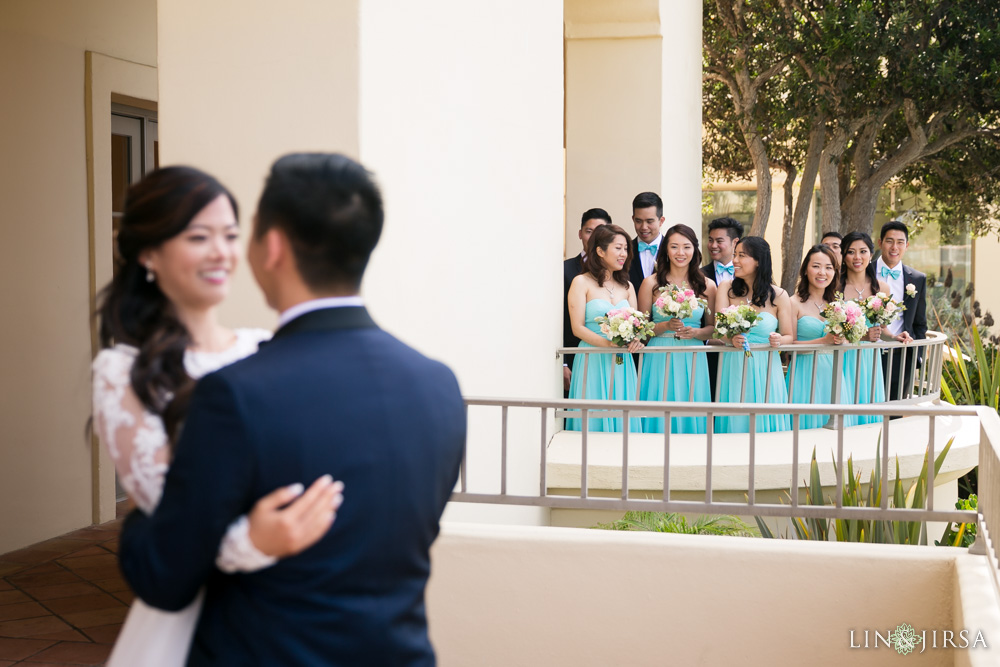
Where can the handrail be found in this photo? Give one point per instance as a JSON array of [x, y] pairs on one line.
[[561, 407], [989, 491], [927, 382]]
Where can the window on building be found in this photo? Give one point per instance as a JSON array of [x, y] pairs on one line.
[[736, 204]]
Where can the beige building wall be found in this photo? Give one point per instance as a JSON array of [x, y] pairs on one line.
[[633, 109], [45, 343], [567, 597], [242, 83], [986, 259], [462, 128]]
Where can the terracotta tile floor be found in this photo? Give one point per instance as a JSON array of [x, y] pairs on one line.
[[63, 601]]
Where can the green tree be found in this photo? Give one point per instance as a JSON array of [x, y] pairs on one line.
[[860, 95]]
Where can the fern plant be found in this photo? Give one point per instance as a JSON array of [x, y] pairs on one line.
[[664, 522]]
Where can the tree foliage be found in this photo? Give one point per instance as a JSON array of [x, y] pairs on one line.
[[857, 95]]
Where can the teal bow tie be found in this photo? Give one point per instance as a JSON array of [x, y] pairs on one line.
[[651, 247], [886, 271], [724, 269]]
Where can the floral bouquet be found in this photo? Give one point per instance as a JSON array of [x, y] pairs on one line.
[[678, 302], [736, 320], [881, 309], [624, 325], [845, 318]]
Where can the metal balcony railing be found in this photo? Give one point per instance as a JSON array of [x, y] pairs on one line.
[[924, 365]]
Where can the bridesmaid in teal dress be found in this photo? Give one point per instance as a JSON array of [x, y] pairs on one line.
[[677, 263], [858, 281], [603, 286], [753, 284], [818, 281]]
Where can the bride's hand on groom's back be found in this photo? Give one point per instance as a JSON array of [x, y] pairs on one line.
[[287, 521]]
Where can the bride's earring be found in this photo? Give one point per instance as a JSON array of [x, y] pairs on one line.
[[150, 276]]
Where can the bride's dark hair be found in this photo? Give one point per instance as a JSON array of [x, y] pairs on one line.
[[132, 309]]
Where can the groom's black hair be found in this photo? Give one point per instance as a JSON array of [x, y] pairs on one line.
[[330, 209]]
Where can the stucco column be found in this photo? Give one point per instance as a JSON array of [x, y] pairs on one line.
[[680, 118], [633, 109]]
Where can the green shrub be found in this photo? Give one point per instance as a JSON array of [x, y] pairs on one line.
[[663, 522]]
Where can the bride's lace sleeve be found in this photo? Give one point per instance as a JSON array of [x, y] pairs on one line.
[[137, 443]]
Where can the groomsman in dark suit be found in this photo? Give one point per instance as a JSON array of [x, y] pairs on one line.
[[572, 267], [723, 233], [647, 216], [331, 393], [833, 240], [909, 287]]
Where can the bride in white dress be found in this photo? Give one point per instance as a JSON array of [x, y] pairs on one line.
[[177, 248]]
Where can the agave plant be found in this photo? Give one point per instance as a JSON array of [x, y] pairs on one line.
[[663, 522], [854, 495], [973, 382], [971, 376]]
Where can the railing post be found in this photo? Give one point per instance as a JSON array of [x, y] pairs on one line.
[[812, 380], [666, 456], [885, 462], [795, 459], [503, 451], [625, 432], [710, 435], [543, 486], [751, 485], [583, 452], [888, 376], [930, 461], [465, 456]]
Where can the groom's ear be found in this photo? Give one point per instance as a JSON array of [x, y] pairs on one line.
[[277, 250]]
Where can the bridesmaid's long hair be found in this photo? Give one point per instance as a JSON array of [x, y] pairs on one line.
[[763, 284], [602, 237], [830, 293], [845, 245], [695, 278], [134, 310]]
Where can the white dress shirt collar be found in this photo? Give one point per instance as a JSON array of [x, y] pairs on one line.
[[895, 287], [648, 258], [301, 309]]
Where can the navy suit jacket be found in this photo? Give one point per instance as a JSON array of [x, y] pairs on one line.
[[709, 271], [572, 267], [915, 315], [635, 275], [331, 393]]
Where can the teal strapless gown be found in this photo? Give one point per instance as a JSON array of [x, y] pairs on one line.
[[731, 383], [677, 381], [599, 376], [853, 375], [811, 328]]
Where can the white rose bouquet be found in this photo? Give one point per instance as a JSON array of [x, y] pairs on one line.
[[845, 318], [881, 309], [678, 302], [736, 320], [624, 325]]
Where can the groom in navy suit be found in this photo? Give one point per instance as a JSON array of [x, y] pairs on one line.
[[330, 394]]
